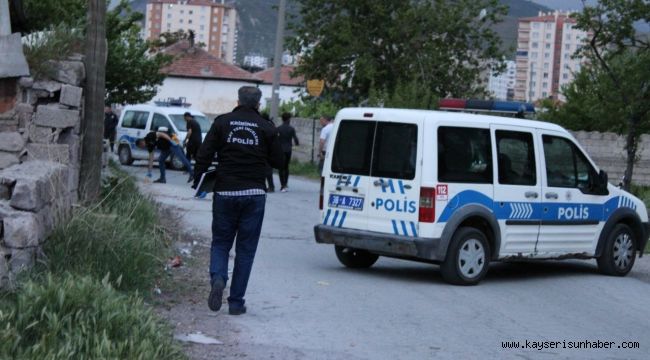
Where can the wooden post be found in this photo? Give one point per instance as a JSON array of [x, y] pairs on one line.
[[92, 126]]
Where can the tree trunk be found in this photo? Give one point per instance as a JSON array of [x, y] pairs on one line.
[[631, 145], [92, 126]]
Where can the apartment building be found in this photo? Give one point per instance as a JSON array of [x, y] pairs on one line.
[[546, 45], [213, 22], [502, 86]]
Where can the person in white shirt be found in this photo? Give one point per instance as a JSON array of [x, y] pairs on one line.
[[325, 132]]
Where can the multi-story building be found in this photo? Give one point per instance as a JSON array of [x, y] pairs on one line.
[[502, 86], [213, 22], [546, 45]]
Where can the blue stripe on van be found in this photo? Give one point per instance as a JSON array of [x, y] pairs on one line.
[[327, 216], [336, 216], [356, 181], [404, 228], [401, 187], [415, 232], [342, 218], [395, 227]]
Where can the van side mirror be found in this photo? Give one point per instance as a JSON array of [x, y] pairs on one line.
[[600, 187]]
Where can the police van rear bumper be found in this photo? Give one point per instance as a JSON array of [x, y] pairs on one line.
[[380, 243]]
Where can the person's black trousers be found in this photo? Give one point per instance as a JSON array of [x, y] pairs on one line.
[[284, 170]]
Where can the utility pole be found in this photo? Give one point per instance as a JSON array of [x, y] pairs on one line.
[[277, 60], [5, 21], [92, 126]]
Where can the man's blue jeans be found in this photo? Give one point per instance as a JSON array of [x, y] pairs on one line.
[[178, 152], [232, 216]]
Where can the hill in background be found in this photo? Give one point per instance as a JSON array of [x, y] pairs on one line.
[[258, 19]]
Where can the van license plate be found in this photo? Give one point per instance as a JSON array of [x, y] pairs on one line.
[[346, 202]]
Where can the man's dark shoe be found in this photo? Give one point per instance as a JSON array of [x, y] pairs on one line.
[[160, 181], [216, 294], [237, 310]]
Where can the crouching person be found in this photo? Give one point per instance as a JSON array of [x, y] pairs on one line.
[[164, 141]]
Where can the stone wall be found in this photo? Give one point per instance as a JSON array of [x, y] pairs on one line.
[[39, 162]]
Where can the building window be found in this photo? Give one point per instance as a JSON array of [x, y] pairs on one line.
[[169, 16], [548, 36], [202, 27], [545, 75], [549, 25], [213, 38], [190, 12], [544, 84], [534, 45], [533, 74], [180, 21], [535, 34], [547, 55], [215, 29], [189, 21], [568, 36], [545, 65], [535, 25], [567, 47], [544, 94], [182, 11], [566, 56], [548, 46], [565, 76], [533, 84], [533, 54], [201, 36]]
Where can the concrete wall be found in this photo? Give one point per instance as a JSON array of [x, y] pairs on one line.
[[608, 151], [216, 96], [39, 163]]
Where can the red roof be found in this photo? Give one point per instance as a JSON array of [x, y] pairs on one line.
[[197, 63], [285, 76]]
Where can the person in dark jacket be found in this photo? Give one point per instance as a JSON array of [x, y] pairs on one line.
[[110, 126], [193, 139], [164, 141], [245, 145], [287, 137], [270, 186]]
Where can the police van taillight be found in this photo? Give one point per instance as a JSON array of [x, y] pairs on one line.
[[322, 190], [427, 205]]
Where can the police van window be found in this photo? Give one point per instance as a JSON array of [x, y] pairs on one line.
[[353, 147], [566, 166], [395, 152], [159, 121], [135, 120], [516, 158], [464, 155]]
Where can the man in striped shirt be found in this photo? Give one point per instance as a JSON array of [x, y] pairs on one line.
[[245, 145]]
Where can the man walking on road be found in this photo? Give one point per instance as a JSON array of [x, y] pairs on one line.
[[110, 126], [246, 145], [325, 132], [287, 136], [193, 138]]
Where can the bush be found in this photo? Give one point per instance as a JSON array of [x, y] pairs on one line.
[[307, 169], [120, 236], [74, 317], [56, 43]]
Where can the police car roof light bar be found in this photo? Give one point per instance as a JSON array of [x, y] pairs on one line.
[[477, 105]]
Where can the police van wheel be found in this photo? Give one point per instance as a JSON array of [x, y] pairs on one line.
[[619, 252], [124, 153], [467, 258], [355, 258]]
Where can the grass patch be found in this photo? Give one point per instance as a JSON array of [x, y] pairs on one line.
[[306, 169], [78, 317], [56, 43], [119, 237]]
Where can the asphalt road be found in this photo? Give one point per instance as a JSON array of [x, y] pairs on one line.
[[302, 304]]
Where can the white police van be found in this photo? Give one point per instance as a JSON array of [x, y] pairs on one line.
[[138, 120], [461, 190]]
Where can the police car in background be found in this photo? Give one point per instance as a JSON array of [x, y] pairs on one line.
[[462, 190], [138, 120]]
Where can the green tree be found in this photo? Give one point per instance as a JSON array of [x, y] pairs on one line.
[[616, 83], [132, 66], [132, 72], [356, 45]]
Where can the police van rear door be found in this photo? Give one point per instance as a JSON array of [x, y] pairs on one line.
[[346, 181], [394, 187]]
